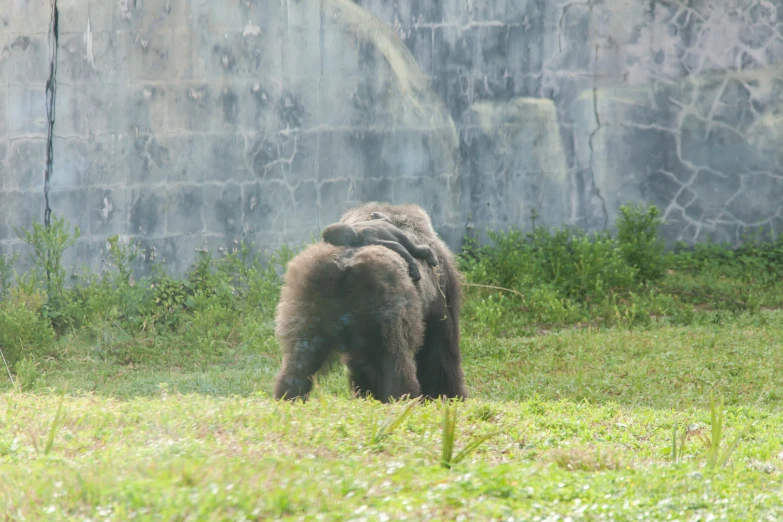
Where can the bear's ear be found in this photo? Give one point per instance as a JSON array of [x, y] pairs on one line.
[[380, 216]]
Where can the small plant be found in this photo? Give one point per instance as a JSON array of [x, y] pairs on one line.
[[380, 431], [26, 374], [447, 457], [585, 459], [484, 413], [22, 327], [639, 241], [170, 297], [712, 443], [49, 244], [6, 366], [202, 278], [121, 255], [55, 426], [676, 456], [6, 274]]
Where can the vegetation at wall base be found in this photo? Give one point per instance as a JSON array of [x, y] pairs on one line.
[[567, 278], [609, 378]]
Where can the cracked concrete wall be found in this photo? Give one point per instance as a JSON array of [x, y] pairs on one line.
[[190, 124], [675, 103]]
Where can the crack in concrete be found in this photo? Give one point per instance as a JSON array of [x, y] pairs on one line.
[[51, 92], [560, 23], [595, 189]]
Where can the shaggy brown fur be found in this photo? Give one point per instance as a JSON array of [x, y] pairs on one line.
[[379, 230], [397, 337]]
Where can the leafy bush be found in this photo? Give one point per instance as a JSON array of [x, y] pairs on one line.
[[6, 274], [547, 307], [212, 329], [49, 243], [754, 260], [639, 241], [519, 284], [23, 329], [572, 263], [566, 276]]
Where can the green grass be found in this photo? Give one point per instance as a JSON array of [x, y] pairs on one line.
[[193, 457], [575, 415], [658, 367]]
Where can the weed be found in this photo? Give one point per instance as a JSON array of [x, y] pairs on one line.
[[380, 431], [26, 374], [639, 241], [55, 426], [482, 412], [23, 327], [49, 243], [121, 254], [6, 274], [677, 455], [448, 436], [585, 459], [715, 459], [7, 367]]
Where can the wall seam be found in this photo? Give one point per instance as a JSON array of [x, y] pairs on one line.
[[51, 93]]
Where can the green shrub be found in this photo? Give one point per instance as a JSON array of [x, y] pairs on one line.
[[569, 262], [113, 297], [522, 283], [257, 280], [547, 307], [487, 315], [23, 329], [49, 243], [26, 374], [6, 274], [212, 329], [640, 243], [567, 276], [757, 257]]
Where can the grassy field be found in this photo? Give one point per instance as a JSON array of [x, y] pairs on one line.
[[582, 426], [591, 390]]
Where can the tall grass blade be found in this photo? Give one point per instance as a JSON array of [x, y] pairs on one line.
[[391, 423], [7, 368], [726, 454], [472, 446], [449, 427], [54, 427], [683, 437], [716, 431], [447, 457]]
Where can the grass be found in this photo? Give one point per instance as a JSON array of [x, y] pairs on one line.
[[195, 457], [577, 423], [661, 367], [620, 382]]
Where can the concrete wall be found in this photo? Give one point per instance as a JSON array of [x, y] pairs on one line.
[[198, 123]]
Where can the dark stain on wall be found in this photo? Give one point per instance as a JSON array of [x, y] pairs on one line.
[[150, 158], [147, 212], [225, 210], [228, 102], [185, 208], [290, 111], [258, 207]]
